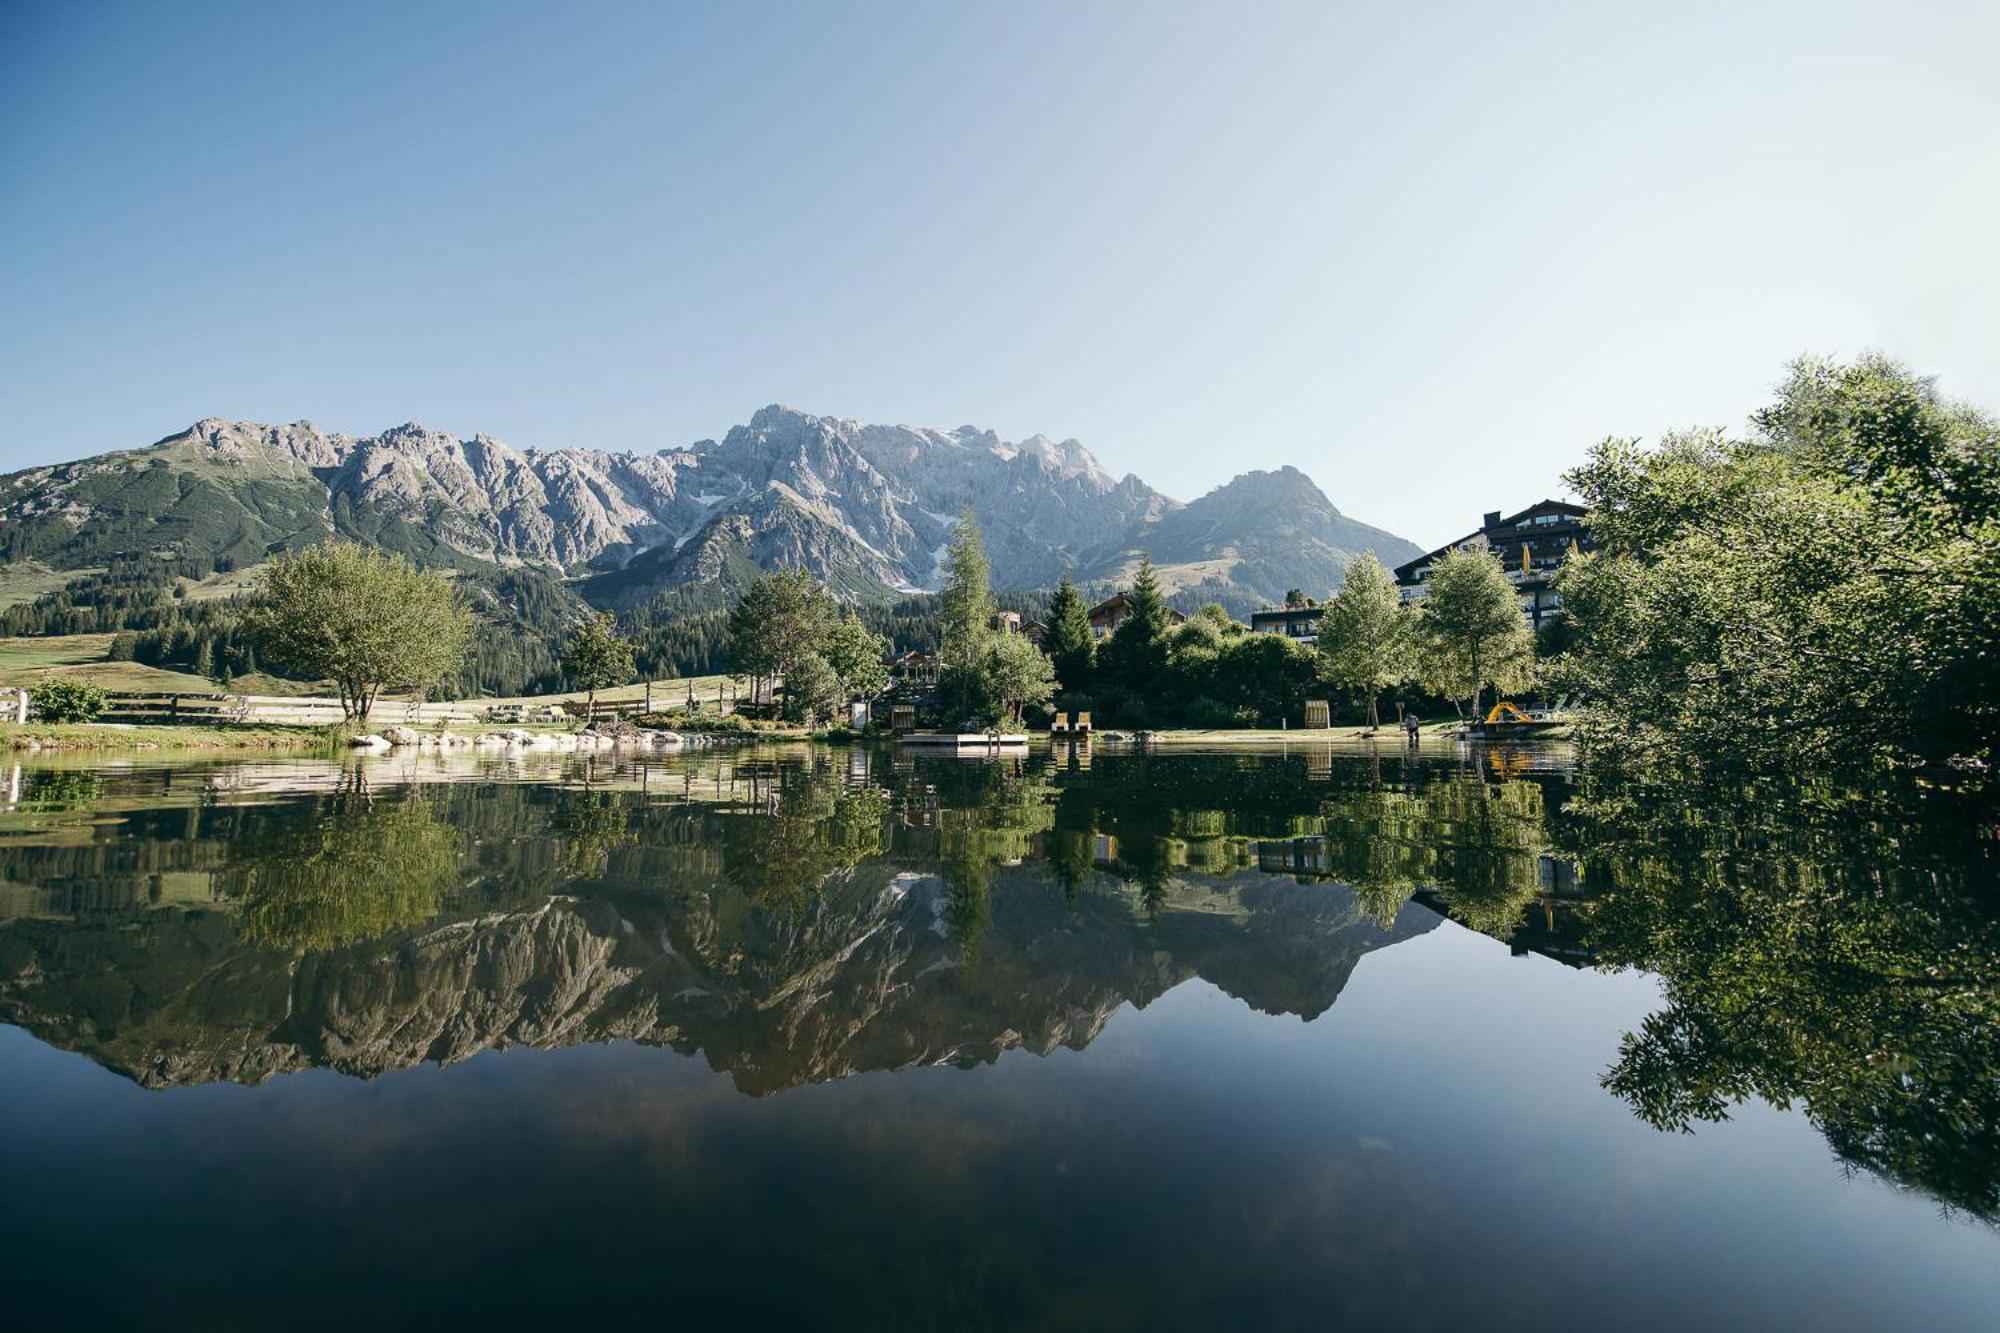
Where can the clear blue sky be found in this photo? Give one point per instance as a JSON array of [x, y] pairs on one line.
[[1427, 256]]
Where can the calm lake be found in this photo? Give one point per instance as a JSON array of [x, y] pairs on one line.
[[841, 1038]]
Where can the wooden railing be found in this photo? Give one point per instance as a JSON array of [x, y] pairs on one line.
[[313, 711], [170, 708]]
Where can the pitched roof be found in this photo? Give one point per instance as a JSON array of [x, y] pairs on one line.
[[1538, 507]]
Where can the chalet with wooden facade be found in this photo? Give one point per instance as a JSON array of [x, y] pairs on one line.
[[914, 669], [1107, 616], [1294, 622]]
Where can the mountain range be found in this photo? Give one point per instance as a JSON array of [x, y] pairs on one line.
[[869, 508]]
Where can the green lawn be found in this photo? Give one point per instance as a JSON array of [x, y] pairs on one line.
[[218, 586], [22, 581], [27, 661], [107, 736]]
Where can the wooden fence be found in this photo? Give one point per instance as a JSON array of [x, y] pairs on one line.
[[314, 711], [170, 708]]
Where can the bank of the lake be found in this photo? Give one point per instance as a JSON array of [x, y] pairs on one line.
[[112, 737], [268, 738], [1386, 735], [116, 736]]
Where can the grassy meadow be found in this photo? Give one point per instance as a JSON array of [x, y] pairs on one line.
[[26, 662], [188, 739], [22, 581]]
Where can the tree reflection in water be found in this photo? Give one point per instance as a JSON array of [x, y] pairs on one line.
[[357, 868], [1834, 947], [1819, 945]]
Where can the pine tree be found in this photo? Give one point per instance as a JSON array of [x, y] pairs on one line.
[[1067, 638], [966, 607], [1137, 651], [968, 598]]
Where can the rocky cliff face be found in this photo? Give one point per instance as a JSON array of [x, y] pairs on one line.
[[868, 507]]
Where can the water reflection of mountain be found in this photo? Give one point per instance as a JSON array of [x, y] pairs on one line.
[[867, 977], [788, 938], [1826, 947]]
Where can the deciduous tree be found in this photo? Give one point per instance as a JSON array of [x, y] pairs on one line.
[[855, 653], [595, 657], [1470, 631], [1828, 590], [782, 617], [1365, 634], [360, 618], [1014, 674]]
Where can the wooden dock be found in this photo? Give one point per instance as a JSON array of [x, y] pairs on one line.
[[966, 740]]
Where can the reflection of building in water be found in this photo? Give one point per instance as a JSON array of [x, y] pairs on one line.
[[1550, 925], [1554, 929], [1306, 859]]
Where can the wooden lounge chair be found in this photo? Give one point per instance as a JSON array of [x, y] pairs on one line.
[[1059, 725], [1082, 722]]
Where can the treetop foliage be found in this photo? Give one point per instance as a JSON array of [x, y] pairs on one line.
[[594, 656], [966, 604], [1470, 630], [1366, 636], [1825, 591], [789, 627], [360, 618]]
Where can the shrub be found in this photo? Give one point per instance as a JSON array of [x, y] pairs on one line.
[[678, 719], [64, 699], [1215, 715]]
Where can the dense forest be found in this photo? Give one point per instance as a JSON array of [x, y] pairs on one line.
[[685, 631]]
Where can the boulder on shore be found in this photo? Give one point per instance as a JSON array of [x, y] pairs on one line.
[[367, 741], [401, 735]]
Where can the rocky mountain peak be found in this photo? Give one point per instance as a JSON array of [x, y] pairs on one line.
[[779, 416], [869, 507], [1285, 486]]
